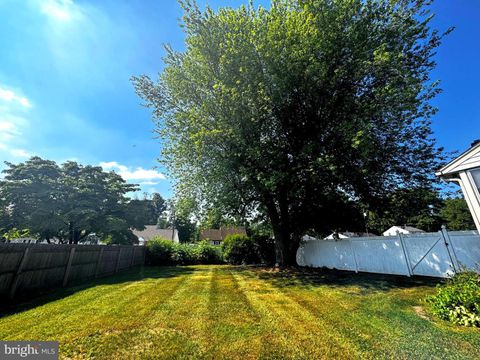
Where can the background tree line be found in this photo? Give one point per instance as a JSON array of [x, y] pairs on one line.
[[70, 202]]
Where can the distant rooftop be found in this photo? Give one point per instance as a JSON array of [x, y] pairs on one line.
[[222, 233], [152, 231]]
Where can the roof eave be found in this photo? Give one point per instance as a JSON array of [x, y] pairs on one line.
[[443, 172]]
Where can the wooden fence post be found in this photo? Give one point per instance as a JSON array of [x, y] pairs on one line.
[[16, 277], [119, 254], [405, 254], [69, 266], [99, 261], [132, 262]]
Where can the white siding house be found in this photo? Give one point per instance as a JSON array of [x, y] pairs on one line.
[[394, 230], [465, 171], [346, 235]]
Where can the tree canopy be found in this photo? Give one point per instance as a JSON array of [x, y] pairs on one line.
[[456, 215], [307, 111], [68, 202], [418, 207], [180, 214]]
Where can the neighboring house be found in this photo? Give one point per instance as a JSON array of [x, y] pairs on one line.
[[347, 234], [24, 241], [216, 236], [151, 232], [394, 230], [465, 171], [308, 238], [31, 240]]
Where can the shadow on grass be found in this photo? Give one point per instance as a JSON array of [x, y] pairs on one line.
[[32, 300], [316, 277]]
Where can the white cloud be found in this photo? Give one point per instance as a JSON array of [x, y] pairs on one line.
[[149, 183], [59, 10], [147, 176], [7, 130], [113, 165], [20, 153], [141, 174], [10, 96], [13, 108], [15, 153]]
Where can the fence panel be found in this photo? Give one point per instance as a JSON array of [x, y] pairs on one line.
[[84, 263], [10, 257], [109, 260], [336, 254], [125, 258], [25, 268], [380, 254], [429, 255], [426, 254], [466, 247]]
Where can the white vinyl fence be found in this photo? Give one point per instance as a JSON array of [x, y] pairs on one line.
[[440, 254]]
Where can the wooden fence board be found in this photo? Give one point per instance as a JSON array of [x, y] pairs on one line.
[[45, 267]]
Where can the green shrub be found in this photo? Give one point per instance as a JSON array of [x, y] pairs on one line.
[[160, 251], [458, 300], [208, 254], [165, 252], [184, 254], [240, 249], [120, 238]]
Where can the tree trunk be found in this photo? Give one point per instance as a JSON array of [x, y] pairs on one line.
[[74, 234], [279, 245], [286, 244]]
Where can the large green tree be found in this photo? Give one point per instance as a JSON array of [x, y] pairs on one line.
[[180, 215], [456, 215], [69, 201], [301, 111], [149, 209], [418, 207]]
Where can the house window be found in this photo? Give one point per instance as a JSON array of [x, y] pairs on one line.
[[476, 177], [216, 242]]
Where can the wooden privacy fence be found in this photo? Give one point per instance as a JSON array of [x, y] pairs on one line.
[[439, 254], [25, 268]]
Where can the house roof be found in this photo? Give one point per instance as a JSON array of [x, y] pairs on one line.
[[469, 159], [222, 233], [151, 231], [211, 234], [349, 234], [410, 229], [357, 234]]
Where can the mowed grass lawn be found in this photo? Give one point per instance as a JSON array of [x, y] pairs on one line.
[[241, 313]]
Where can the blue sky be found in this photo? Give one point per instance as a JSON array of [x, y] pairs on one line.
[[65, 91]]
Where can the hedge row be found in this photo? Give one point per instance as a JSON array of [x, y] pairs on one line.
[[235, 249], [165, 252]]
